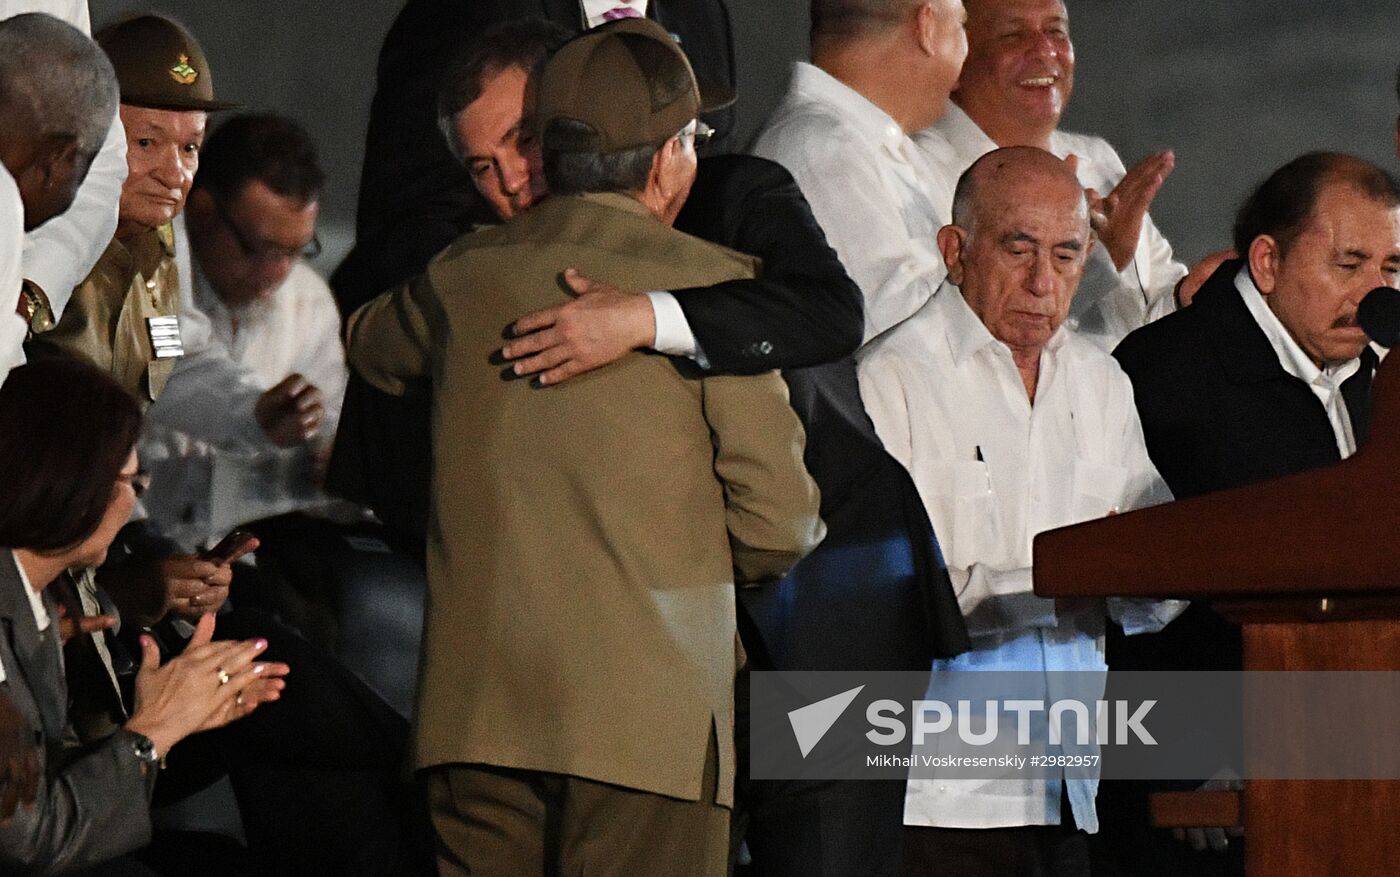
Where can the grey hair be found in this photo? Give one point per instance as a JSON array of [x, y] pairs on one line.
[[524, 43], [576, 173], [54, 80]]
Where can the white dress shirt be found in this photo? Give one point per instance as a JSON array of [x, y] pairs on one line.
[[12, 326], [872, 191], [1110, 303], [208, 394], [593, 10], [199, 492], [61, 252], [1326, 383], [994, 470]]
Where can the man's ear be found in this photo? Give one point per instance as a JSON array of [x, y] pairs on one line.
[[657, 179], [925, 23], [951, 241], [56, 159], [1264, 258]]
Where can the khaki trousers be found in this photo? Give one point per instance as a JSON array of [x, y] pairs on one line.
[[502, 822]]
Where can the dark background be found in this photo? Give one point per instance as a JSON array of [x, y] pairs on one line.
[[1236, 87]]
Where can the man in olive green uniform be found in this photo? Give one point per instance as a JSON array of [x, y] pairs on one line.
[[127, 316], [124, 317], [576, 707]]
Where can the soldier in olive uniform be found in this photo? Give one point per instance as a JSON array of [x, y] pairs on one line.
[[127, 316], [124, 316]]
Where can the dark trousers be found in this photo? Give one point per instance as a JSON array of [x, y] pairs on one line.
[[812, 829]]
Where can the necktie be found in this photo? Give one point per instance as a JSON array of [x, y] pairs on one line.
[[620, 13]]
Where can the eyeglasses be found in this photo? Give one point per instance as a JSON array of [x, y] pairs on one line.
[[261, 251], [139, 481], [698, 132]]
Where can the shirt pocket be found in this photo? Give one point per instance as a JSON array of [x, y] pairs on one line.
[[1097, 489], [967, 529]]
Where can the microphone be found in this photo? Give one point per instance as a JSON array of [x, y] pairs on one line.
[[1379, 315]]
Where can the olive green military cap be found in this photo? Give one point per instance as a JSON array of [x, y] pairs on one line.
[[622, 85], [160, 65]]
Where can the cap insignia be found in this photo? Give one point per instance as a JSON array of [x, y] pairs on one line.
[[183, 73]]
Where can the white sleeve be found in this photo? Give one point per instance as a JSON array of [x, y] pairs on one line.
[[863, 221], [324, 361], [12, 326], [673, 334], [61, 252], [1149, 280]]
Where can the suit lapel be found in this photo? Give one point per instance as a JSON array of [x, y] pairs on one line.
[[36, 653], [1356, 390], [1243, 348]]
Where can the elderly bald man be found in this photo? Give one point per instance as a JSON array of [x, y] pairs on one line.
[[58, 96], [1011, 424]]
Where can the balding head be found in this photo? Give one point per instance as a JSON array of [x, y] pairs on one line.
[[1017, 244], [58, 95], [1005, 174]]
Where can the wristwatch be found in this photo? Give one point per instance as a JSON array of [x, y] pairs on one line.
[[34, 308], [145, 750]]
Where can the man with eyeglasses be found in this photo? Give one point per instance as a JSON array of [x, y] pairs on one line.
[[251, 221]]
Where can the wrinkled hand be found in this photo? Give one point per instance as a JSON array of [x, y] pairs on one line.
[[1117, 217], [1214, 838], [19, 759], [69, 627], [1189, 285], [290, 413], [193, 586], [186, 695], [601, 325]]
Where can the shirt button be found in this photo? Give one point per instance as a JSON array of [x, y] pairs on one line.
[[942, 788]]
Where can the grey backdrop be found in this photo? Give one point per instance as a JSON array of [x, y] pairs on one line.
[[1236, 87]]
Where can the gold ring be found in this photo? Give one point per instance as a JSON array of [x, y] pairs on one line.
[[223, 676], [238, 698], [194, 600]]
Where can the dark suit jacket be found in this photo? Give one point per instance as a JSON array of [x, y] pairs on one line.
[[1219, 411], [93, 804], [874, 594], [415, 198]]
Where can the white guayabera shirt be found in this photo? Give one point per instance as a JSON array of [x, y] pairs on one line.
[[872, 191], [993, 470]]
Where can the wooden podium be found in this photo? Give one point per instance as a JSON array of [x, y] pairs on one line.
[[1309, 565]]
